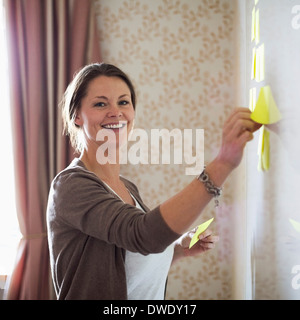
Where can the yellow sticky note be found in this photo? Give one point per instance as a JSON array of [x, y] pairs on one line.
[[263, 150], [266, 111], [253, 25], [295, 224], [253, 71], [201, 228], [260, 149], [260, 63], [257, 27], [252, 99], [260, 140], [266, 151], [261, 70]]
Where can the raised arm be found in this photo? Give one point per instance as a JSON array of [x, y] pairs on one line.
[[181, 210]]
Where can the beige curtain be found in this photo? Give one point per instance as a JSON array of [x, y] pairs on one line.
[[48, 41]]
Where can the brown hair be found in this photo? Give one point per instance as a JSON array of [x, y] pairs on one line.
[[77, 90]]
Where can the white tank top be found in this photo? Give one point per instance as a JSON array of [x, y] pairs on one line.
[[146, 275]]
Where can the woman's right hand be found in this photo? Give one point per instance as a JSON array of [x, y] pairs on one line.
[[237, 131]]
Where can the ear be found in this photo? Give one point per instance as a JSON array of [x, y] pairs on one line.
[[78, 120]]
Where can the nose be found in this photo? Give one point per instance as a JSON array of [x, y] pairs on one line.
[[114, 111]]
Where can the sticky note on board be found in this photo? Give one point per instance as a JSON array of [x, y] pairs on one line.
[[295, 224], [253, 70], [263, 150], [253, 25], [201, 228], [262, 62], [258, 63], [266, 151], [266, 111], [252, 99], [259, 74], [257, 27]]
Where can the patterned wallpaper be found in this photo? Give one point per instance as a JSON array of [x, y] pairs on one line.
[[180, 56]]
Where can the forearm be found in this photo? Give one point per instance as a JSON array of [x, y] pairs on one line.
[[184, 208]]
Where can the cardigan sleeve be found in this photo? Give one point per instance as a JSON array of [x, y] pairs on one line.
[[81, 201]]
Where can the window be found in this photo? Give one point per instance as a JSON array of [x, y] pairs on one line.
[[9, 229]]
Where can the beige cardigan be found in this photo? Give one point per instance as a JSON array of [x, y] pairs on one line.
[[89, 231]]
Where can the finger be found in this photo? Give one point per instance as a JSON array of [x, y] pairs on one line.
[[246, 124], [236, 127], [211, 239], [205, 234], [243, 113], [245, 137], [256, 126], [207, 245], [238, 110], [239, 125], [237, 113]]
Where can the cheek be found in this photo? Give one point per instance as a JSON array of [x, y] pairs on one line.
[[130, 119], [91, 126], [93, 119], [131, 115]]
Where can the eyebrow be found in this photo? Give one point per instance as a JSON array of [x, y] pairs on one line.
[[105, 98]]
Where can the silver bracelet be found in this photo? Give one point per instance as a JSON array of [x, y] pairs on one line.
[[209, 186]]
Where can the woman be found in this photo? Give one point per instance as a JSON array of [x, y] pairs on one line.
[[104, 242]]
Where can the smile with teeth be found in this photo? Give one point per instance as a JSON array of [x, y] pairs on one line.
[[114, 125]]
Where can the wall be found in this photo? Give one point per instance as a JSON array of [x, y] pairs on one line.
[[273, 196], [180, 55]]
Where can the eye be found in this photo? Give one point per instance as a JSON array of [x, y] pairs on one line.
[[100, 104], [123, 102]]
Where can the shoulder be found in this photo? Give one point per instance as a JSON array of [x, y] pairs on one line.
[[76, 190], [75, 173], [75, 184]]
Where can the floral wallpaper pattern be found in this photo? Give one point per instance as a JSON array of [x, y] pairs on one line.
[[180, 57]]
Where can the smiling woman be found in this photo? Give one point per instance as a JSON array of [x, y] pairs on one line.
[[104, 242], [9, 230]]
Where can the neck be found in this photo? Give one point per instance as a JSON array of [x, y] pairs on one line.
[[108, 172]]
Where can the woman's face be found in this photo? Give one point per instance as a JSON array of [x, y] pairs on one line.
[[107, 108]]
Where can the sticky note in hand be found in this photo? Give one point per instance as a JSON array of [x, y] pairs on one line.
[[201, 228]]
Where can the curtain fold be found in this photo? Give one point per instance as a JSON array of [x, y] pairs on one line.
[[48, 41]]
